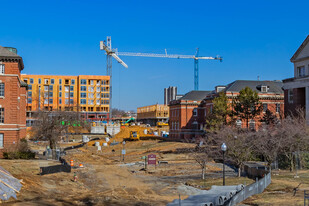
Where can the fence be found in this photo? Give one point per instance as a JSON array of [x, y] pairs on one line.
[[255, 188]]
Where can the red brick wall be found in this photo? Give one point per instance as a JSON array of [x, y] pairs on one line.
[[14, 104]]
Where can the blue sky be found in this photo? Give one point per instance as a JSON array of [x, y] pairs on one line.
[[255, 38]]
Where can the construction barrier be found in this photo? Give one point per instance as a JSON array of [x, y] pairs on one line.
[[55, 169]]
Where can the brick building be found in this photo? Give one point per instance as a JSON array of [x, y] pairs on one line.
[[184, 115], [153, 114], [270, 95], [296, 89], [86, 93], [12, 99]]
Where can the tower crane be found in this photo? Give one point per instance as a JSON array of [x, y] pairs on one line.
[[107, 47], [196, 57]]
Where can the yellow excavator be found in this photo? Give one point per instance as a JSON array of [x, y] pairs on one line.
[[160, 124], [134, 135]]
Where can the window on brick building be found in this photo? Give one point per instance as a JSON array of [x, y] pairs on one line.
[[83, 95], [90, 95], [51, 87], [72, 88], [45, 88], [52, 81], [29, 100], [2, 68], [39, 81], [29, 87], [264, 107], [66, 81], [50, 101], [83, 88], [31, 81], [71, 101], [60, 94], [90, 101], [66, 88], [90, 89], [2, 90], [83, 101], [60, 101], [2, 115], [290, 96], [252, 124], [29, 94], [45, 81], [60, 88], [72, 81], [1, 140], [278, 108], [71, 94], [194, 112], [60, 81], [98, 102]]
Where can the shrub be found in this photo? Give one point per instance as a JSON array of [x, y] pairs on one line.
[[21, 151]]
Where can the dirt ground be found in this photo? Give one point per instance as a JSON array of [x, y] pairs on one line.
[[108, 178]]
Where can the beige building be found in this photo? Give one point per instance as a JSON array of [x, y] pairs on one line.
[[296, 89], [153, 114]]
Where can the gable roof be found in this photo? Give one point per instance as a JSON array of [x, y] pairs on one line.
[[8, 56], [302, 46], [195, 95], [273, 86]]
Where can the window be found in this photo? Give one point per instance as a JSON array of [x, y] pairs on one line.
[[60, 81], [252, 124], [29, 94], [31, 81], [67, 101], [264, 89], [52, 81], [60, 88], [1, 140], [98, 83], [45, 94], [29, 100], [45, 81], [98, 102], [90, 95], [72, 88], [90, 89], [195, 112], [66, 95], [238, 123], [2, 89], [98, 89], [45, 101], [90, 101], [82, 101], [290, 96], [60, 94], [66, 88], [278, 108], [301, 71], [1, 68], [45, 88], [72, 81], [83, 88], [98, 95], [60, 101], [71, 94], [264, 107], [2, 115], [50, 94], [67, 81], [39, 81], [83, 81], [29, 87], [71, 101], [51, 87], [91, 82], [50, 101], [83, 95]]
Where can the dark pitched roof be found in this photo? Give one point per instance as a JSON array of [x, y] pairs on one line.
[[4, 52], [273, 86], [195, 95], [6, 55], [23, 84], [300, 48]]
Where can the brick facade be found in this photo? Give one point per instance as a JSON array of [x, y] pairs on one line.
[[13, 102]]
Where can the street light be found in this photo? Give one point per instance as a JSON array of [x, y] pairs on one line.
[[223, 148]]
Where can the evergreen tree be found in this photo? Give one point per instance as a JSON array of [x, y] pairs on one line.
[[247, 105]]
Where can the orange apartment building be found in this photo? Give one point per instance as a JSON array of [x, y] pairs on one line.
[[12, 99], [86, 93]]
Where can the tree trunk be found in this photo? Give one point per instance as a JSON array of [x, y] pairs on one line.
[[239, 170], [203, 172], [52, 144]]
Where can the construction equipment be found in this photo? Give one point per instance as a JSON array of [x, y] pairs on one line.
[[107, 47], [134, 135], [196, 57], [160, 124]]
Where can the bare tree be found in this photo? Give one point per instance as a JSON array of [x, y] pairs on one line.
[[51, 125], [201, 157]]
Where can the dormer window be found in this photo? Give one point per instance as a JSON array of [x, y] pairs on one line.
[[264, 88], [301, 71]]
